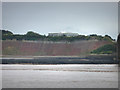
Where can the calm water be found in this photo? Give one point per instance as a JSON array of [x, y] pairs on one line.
[[60, 76]]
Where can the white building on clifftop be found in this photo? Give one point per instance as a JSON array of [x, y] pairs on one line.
[[63, 34]]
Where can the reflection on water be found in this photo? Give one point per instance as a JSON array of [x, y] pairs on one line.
[[60, 76]]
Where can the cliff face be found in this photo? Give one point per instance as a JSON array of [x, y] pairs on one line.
[[41, 48]]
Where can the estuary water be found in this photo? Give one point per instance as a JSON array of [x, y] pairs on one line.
[[60, 76]]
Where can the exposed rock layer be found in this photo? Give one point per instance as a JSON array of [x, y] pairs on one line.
[[47, 48]]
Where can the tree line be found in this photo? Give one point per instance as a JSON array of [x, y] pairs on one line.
[[8, 35]]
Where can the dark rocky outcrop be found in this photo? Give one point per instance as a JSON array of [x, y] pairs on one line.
[[118, 43]]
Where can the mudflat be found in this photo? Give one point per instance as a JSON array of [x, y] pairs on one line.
[[60, 76]]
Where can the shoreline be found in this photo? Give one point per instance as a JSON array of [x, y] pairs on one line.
[[90, 59], [31, 57], [60, 64]]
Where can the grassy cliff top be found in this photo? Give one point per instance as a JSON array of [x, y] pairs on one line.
[[8, 35]]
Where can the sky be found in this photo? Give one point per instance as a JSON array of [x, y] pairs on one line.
[[84, 18]]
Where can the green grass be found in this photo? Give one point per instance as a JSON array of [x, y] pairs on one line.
[[106, 49]]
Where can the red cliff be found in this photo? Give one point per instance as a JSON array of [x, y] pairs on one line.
[[47, 48]]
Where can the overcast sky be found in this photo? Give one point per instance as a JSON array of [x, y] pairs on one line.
[[45, 17]]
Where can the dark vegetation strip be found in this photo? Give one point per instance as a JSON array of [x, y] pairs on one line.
[[77, 60]]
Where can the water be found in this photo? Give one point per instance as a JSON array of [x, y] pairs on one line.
[[60, 76]]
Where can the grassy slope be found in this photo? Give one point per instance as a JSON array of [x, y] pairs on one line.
[[106, 49]]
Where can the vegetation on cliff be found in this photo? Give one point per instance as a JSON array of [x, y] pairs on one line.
[[106, 49], [7, 35], [118, 44]]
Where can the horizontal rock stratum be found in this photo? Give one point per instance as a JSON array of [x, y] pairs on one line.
[[49, 48]]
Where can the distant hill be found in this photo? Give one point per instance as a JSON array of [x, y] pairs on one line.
[[32, 36]]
